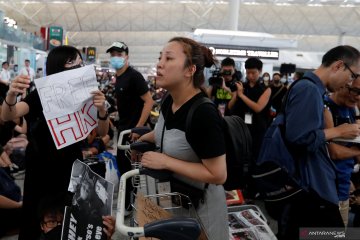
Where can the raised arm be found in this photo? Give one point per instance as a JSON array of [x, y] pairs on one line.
[[148, 104], [99, 102], [255, 106], [10, 108]]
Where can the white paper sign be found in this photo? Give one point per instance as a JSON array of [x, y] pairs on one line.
[[67, 104], [66, 92]]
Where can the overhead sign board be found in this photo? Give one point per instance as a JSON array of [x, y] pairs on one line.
[[244, 52]]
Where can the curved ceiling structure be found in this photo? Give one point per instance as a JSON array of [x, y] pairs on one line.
[[145, 26]]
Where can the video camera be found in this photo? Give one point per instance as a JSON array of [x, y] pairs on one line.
[[216, 80]]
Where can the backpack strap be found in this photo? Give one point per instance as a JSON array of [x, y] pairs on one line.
[[277, 93], [283, 105], [189, 117], [193, 108], [165, 114]]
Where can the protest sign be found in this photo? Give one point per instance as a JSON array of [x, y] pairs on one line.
[[93, 198], [67, 104]]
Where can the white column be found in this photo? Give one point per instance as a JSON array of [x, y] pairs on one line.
[[341, 39], [233, 14]]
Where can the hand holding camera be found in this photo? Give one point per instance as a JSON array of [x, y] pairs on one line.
[[218, 80], [240, 88]]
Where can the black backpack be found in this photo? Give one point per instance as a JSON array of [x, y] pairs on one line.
[[276, 173], [238, 142]]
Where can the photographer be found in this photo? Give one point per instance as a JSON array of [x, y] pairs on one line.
[[222, 85]]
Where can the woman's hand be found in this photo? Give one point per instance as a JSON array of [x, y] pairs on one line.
[[99, 101], [19, 85], [109, 229], [134, 137], [154, 160]]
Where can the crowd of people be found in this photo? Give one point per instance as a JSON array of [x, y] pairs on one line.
[[321, 108]]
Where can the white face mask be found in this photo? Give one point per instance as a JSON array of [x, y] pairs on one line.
[[283, 80], [266, 78]]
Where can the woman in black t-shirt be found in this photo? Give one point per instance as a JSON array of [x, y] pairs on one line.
[[47, 169], [197, 156]]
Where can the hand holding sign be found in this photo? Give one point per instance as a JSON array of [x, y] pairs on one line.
[[99, 101], [19, 85]]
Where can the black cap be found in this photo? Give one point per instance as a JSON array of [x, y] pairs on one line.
[[118, 46]]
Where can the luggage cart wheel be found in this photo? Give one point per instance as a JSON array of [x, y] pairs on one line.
[[174, 229]]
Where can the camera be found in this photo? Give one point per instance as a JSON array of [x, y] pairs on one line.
[[216, 80], [232, 85]]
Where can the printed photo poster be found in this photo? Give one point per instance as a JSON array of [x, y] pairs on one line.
[[67, 104], [248, 225], [93, 198]]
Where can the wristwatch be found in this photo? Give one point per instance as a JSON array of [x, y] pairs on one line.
[[103, 118]]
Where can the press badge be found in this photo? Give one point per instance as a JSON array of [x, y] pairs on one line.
[[248, 118]]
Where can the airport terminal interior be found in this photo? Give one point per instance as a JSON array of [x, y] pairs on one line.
[[107, 131]]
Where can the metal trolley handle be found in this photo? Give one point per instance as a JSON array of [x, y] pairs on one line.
[[174, 228], [138, 130]]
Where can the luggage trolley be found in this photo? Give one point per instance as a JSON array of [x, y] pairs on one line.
[[184, 224]]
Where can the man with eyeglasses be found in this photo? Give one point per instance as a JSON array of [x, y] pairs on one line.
[[317, 205], [341, 110]]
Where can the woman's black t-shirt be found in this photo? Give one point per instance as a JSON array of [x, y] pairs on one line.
[[6, 132], [46, 164], [206, 136]]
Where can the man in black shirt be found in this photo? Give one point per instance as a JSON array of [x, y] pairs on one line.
[[251, 103], [278, 91], [134, 101]]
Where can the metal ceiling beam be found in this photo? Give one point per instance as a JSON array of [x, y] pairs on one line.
[[77, 16], [13, 6], [336, 25], [60, 16], [36, 13]]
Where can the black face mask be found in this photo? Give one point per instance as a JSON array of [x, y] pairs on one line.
[[73, 67]]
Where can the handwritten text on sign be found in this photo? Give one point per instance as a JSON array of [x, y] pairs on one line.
[[68, 105]]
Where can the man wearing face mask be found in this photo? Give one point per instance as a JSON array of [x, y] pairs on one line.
[[278, 91], [134, 101]]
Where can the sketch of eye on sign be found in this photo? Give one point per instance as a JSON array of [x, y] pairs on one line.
[[67, 104]]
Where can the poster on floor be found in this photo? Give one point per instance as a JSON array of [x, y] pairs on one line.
[[93, 198], [247, 224], [67, 104]]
